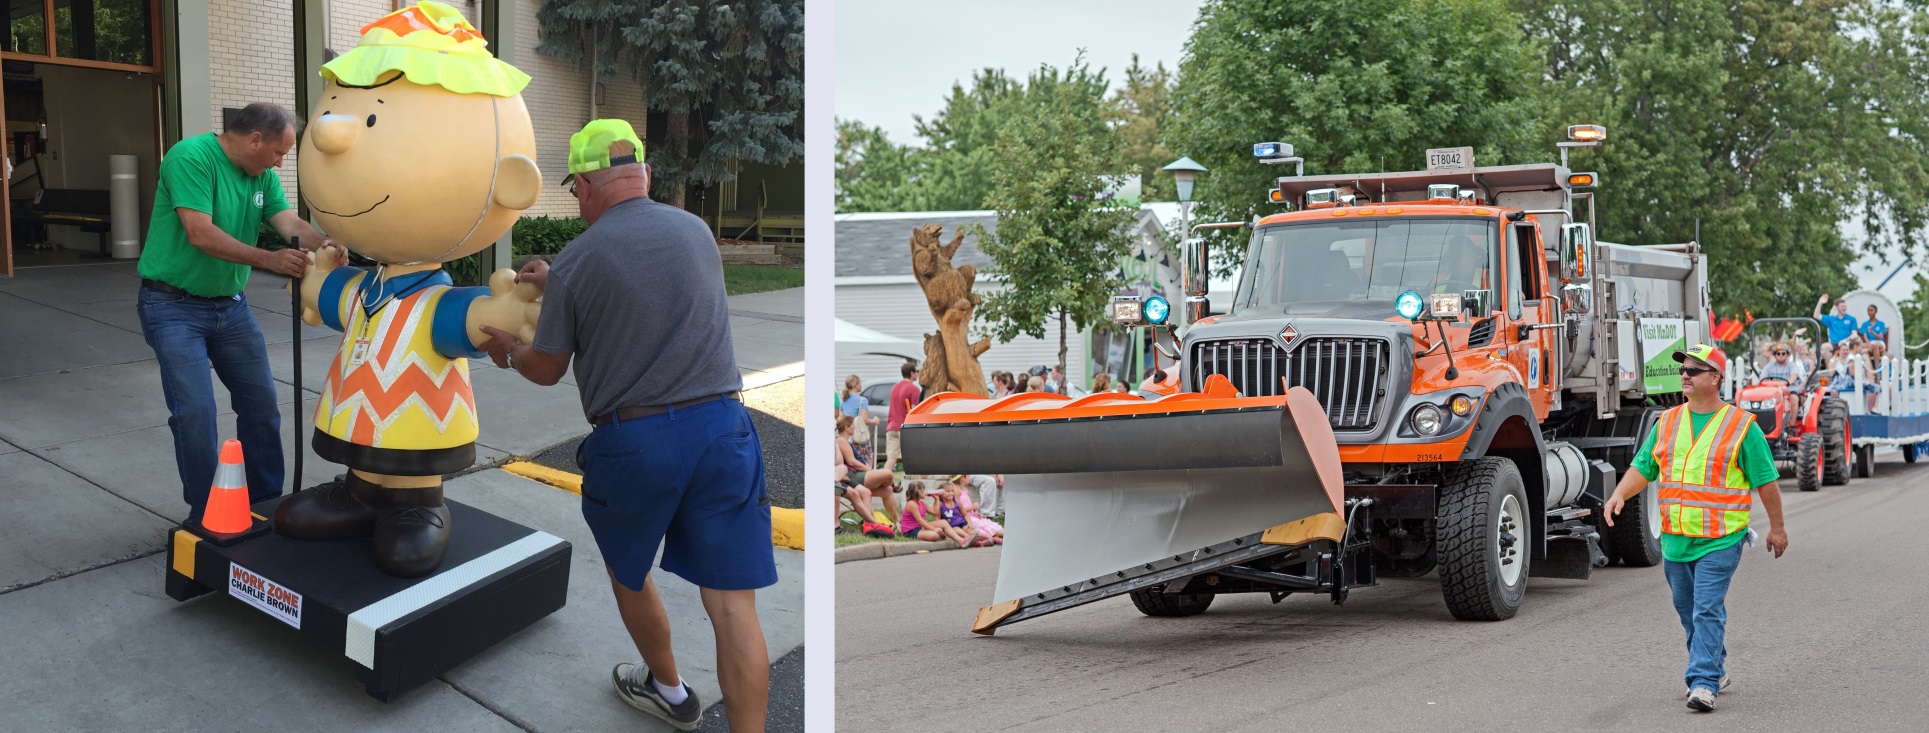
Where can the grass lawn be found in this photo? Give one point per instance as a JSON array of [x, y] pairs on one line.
[[847, 539], [740, 279]]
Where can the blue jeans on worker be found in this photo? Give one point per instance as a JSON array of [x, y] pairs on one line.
[[190, 335], [1700, 597]]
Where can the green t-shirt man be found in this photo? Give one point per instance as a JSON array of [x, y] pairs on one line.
[[197, 175], [1757, 464]]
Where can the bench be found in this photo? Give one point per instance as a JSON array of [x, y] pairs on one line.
[[83, 208]]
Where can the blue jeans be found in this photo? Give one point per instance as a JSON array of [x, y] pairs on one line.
[[190, 335], [1700, 595]]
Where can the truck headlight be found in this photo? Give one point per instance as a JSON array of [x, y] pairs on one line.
[[1428, 419]]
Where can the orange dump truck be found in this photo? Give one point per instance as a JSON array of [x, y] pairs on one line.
[[1420, 371]]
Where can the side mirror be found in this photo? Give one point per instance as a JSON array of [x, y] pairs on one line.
[[1196, 262], [1577, 298], [1197, 308], [1576, 242], [1479, 303]]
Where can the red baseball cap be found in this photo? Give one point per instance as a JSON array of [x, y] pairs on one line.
[[1705, 354]]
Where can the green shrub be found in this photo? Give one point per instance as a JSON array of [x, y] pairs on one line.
[[542, 235]]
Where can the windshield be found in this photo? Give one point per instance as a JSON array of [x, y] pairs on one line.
[[1367, 260]]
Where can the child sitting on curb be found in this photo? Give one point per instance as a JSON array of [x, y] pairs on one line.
[[978, 523], [919, 523], [953, 514]]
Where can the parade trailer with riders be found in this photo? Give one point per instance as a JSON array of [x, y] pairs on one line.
[[1426, 370]]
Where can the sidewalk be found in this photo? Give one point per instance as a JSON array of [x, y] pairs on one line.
[[87, 475]]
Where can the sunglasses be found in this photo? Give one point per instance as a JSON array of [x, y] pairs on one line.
[[1781, 353], [1692, 372]]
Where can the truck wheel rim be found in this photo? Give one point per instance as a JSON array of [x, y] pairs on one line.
[[1511, 522], [1651, 511]]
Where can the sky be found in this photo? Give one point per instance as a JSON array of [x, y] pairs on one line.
[[898, 58]]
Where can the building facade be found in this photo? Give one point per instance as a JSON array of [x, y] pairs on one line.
[[132, 77]]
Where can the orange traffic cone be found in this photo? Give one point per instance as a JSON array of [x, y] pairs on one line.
[[227, 517]]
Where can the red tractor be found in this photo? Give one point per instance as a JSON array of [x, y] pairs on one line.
[[1805, 421]]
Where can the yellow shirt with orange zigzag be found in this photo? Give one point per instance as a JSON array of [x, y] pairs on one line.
[[403, 395]]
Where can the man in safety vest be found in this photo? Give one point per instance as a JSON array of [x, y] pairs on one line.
[[1707, 459]]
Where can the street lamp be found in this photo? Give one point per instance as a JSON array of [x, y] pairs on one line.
[[1192, 254], [1184, 170]]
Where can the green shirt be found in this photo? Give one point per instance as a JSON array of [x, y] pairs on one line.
[[196, 174], [1757, 464]]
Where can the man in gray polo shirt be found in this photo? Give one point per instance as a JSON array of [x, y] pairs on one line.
[[638, 302]]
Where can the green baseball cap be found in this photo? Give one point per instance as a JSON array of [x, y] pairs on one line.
[[589, 149]]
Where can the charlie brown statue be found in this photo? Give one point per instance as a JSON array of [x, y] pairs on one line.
[[421, 152]]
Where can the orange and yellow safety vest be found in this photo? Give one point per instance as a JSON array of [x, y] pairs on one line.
[[1702, 490]]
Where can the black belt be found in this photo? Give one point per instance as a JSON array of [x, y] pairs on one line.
[[638, 413], [166, 288]]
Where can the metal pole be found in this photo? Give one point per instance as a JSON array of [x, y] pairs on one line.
[[294, 294]]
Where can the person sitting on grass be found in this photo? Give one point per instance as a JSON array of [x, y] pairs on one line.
[[875, 480], [952, 512], [919, 523], [979, 524]]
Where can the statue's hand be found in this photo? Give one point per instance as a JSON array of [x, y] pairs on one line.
[[510, 306]]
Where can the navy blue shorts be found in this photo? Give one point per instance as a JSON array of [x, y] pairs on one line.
[[691, 480]]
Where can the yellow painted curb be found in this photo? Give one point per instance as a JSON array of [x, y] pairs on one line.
[[787, 527], [564, 480]]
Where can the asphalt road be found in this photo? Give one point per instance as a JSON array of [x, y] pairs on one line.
[[1827, 637]]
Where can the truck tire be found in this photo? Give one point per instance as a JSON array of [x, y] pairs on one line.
[[1154, 601], [1865, 461], [1808, 463], [1636, 534], [1833, 423], [1909, 453], [1484, 539]]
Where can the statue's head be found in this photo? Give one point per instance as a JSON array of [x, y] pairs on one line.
[[420, 148]]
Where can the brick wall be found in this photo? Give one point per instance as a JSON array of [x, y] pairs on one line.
[[253, 60]]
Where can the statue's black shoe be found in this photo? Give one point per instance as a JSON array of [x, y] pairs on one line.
[[411, 532], [336, 510]]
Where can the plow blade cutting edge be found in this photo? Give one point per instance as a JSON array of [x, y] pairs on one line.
[[1110, 482]]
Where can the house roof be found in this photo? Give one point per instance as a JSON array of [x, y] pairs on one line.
[[879, 243]]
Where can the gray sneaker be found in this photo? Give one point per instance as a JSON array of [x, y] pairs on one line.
[[1686, 691], [642, 695], [1701, 699]]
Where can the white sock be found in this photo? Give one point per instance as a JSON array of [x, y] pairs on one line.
[[672, 695]]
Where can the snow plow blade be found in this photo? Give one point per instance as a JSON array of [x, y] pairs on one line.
[[1101, 484]]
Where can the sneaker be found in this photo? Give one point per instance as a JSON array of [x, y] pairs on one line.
[[643, 696], [1686, 691], [1701, 699]]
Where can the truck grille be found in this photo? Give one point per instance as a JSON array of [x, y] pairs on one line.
[[1348, 375]]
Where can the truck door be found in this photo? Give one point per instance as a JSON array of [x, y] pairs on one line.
[[1526, 307]]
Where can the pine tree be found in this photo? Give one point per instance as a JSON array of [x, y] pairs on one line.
[[728, 77]]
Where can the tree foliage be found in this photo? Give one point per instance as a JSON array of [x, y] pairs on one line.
[[950, 169], [1774, 124], [1357, 87], [727, 76], [1140, 110], [1058, 241]]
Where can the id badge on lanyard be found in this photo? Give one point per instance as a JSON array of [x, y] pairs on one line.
[[358, 354]]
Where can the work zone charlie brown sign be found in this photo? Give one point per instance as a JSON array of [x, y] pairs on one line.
[[265, 594]]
